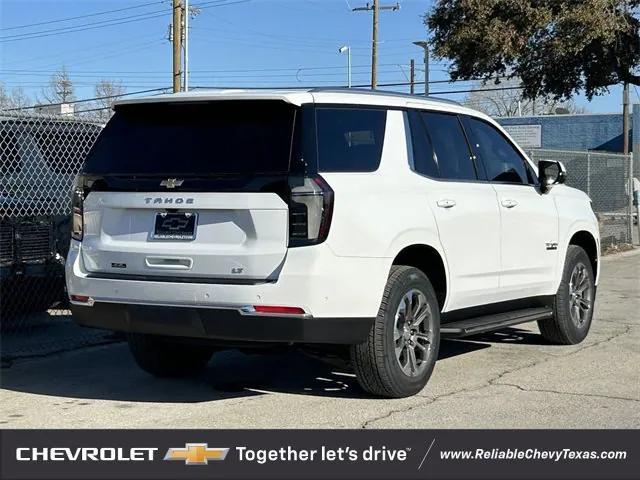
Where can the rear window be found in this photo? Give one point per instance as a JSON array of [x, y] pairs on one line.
[[196, 138], [350, 139]]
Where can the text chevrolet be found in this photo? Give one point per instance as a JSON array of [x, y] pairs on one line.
[[378, 222]]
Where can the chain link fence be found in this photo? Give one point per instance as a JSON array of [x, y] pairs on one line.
[[608, 180], [39, 158]]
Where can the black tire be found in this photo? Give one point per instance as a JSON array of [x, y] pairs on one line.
[[563, 328], [376, 365], [164, 358]]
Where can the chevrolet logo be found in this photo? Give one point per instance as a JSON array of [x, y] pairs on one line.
[[171, 182], [196, 454]]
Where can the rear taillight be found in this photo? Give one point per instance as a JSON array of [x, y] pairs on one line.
[[310, 211], [271, 309], [77, 200], [82, 299]]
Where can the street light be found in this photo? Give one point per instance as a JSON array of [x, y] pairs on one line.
[[347, 48], [425, 45]]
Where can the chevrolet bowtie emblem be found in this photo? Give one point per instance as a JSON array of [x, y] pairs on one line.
[[196, 454], [171, 182]]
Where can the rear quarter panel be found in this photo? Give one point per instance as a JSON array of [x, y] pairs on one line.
[[377, 214]]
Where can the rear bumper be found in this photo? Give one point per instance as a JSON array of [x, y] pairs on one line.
[[221, 324], [312, 278]]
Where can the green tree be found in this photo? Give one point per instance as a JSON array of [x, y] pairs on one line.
[[555, 47]]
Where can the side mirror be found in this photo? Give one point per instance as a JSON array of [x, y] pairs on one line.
[[550, 173]]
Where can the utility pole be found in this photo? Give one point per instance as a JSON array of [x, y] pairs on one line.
[[375, 7], [425, 46], [177, 46], [188, 11], [625, 118], [412, 76], [185, 14]]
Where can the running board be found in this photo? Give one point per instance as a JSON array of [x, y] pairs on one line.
[[488, 323]]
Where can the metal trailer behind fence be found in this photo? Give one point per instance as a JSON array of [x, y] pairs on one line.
[[40, 156], [608, 180]]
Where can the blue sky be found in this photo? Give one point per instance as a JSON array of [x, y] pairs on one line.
[[243, 43]]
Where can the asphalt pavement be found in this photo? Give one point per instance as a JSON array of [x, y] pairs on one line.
[[508, 379]]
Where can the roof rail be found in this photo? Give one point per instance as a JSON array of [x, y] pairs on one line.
[[383, 93]]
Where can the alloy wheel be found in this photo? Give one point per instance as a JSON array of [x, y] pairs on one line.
[[580, 298], [412, 333]]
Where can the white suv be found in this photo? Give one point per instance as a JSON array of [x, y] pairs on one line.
[[379, 222]]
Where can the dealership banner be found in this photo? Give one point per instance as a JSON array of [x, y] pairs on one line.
[[311, 454]]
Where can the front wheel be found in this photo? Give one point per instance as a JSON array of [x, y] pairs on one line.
[[400, 353], [165, 358], [574, 302]]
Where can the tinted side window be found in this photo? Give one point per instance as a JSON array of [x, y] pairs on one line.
[[423, 157], [349, 139], [502, 161], [450, 146]]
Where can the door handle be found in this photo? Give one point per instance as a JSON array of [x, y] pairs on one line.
[[446, 203], [508, 203]]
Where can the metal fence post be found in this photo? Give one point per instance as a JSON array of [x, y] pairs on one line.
[[635, 159], [589, 174], [630, 212]]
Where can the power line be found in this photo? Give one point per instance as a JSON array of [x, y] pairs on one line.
[[89, 73], [196, 73], [393, 84], [68, 19], [108, 23], [92, 99], [87, 110], [364, 85], [93, 48], [239, 70], [277, 84], [203, 6], [78, 28]]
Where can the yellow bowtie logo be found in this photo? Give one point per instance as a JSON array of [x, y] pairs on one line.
[[196, 454]]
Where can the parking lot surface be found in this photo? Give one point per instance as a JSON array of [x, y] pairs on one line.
[[508, 379]]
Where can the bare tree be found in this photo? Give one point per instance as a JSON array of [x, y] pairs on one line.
[[507, 100], [106, 93], [60, 88], [4, 98], [17, 98]]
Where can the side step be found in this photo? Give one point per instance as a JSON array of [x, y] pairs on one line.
[[488, 323]]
